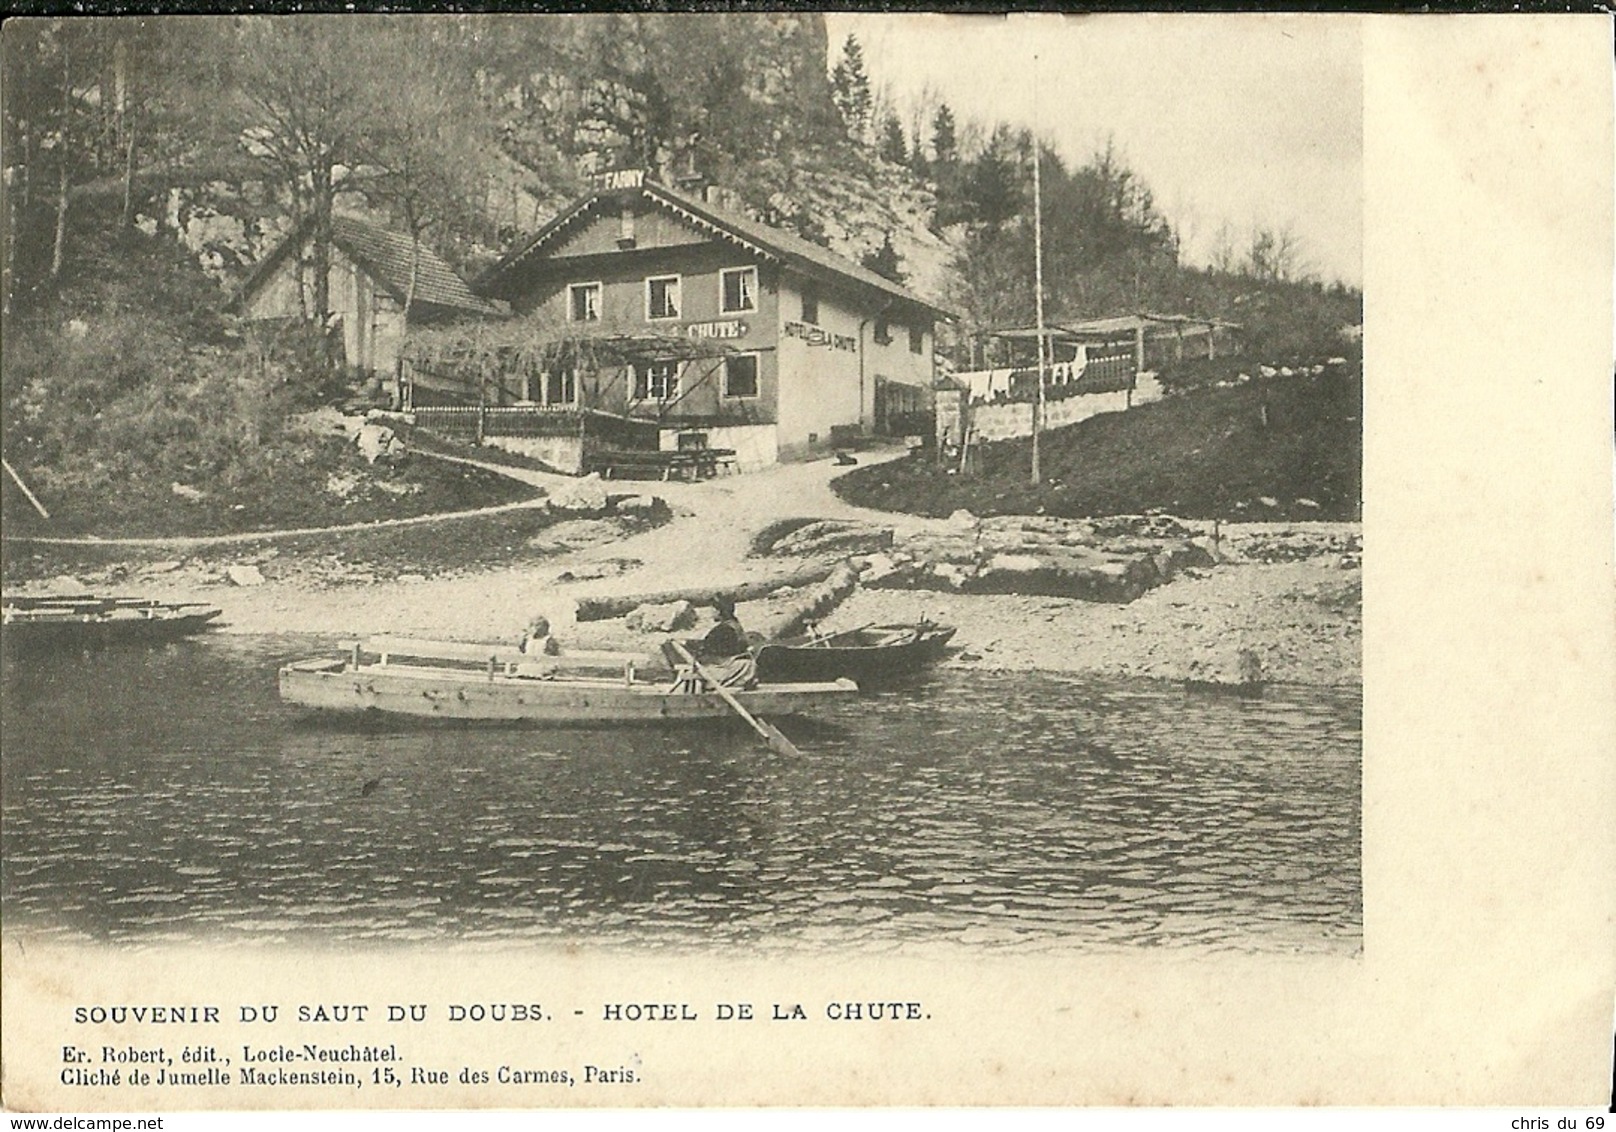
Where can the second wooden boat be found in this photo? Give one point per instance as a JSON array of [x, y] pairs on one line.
[[871, 655]]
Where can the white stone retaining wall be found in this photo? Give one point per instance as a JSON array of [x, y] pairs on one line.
[[1014, 418], [563, 453]]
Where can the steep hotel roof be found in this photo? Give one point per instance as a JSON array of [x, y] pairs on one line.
[[763, 240]]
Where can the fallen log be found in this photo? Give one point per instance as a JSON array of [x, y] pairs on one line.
[[606, 607], [816, 603], [839, 537], [32, 498]]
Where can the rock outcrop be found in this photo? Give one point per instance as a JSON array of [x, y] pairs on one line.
[[378, 442], [663, 618], [833, 536], [244, 575], [1114, 560], [585, 497]]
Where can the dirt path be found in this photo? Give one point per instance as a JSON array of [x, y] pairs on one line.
[[242, 538], [706, 543], [715, 520]]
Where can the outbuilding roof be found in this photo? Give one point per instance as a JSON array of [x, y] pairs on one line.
[[762, 240], [386, 256]]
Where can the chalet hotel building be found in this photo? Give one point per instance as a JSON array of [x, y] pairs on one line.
[[799, 347]]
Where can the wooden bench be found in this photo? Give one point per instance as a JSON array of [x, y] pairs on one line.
[[501, 656], [710, 462], [662, 465], [689, 463]]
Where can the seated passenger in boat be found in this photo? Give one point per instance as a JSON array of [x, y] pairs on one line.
[[538, 645], [537, 641]]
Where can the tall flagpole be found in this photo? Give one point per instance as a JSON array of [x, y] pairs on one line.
[[1038, 276]]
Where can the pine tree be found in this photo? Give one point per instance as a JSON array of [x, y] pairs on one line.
[[884, 261], [893, 146], [993, 184], [850, 89], [944, 143]]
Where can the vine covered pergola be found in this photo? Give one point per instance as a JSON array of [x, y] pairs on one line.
[[510, 364]]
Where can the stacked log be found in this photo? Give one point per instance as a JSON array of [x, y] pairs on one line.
[[605, 608], [815, 603]]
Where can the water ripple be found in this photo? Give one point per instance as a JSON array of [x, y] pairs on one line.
[[996, 813]]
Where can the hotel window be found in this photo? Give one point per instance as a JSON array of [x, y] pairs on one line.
[[737, 290], [583, 302], [917, 340], [883, 332], [741, 375], [560, 387], [662, 297], [656, 381], [810, 304]]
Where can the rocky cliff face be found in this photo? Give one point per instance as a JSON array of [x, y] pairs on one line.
[[742, 101]]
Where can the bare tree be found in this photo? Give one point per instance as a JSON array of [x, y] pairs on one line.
[[922, 110], [1224, 257], [1275, 255], [301, 80], [418, 155]]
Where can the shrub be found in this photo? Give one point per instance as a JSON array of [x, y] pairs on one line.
[[1200, 373], [120, 397]]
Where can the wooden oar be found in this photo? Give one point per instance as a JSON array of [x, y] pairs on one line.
[[822, 640], [32, 498], [770, 733]]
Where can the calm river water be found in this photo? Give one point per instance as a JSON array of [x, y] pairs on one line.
[[153, 796]]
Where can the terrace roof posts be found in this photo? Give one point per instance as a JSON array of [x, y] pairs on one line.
[[1115, 327]]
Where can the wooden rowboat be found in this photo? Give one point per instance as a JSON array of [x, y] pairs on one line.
[[495, 683], [871, 655], [87, 622]]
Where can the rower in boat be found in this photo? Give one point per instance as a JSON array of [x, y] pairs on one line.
[[726, 652]]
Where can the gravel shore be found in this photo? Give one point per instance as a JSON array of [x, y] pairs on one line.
[[1302, 620], [1301, 617]]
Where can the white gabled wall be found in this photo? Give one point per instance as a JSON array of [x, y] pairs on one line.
[[820, 385], [834, 383], [372, 320]]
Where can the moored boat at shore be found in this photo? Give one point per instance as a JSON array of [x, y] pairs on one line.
[[873, 654], [88, 621], [493, 683]]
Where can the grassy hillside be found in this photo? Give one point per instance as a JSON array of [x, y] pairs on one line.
[[1201, 455]]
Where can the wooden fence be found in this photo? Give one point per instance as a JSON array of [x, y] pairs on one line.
[[473, 423]]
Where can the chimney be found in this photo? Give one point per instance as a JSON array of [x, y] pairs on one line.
[[723, 197], [683, 174]]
